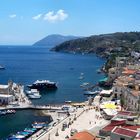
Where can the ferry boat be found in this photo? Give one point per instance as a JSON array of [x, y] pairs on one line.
[[43, 85]]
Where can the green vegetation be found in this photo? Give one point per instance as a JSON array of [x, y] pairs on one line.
[[103, 44], [108, 46]]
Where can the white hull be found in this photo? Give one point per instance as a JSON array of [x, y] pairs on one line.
[[34, 96]]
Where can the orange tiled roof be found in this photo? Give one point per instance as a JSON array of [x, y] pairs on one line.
[[128, 71], [83, 136]]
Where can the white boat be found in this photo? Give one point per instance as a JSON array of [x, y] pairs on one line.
[[32, 91], [2, 68], [91, 92], [81, 77], [84, 84], [38, 125], [34, 96], [19, 136]]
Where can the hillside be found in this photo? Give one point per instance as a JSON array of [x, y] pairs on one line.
[[103, 45], [53, 40]]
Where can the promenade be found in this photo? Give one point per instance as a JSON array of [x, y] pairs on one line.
[[86, 118]]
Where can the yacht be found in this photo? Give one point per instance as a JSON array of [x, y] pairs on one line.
[[43, 85]]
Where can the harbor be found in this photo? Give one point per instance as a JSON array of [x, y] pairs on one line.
[[68, 83]]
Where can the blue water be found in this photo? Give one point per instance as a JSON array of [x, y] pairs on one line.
[[25, 64]]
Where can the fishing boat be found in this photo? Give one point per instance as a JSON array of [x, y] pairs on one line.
[[43, 85]]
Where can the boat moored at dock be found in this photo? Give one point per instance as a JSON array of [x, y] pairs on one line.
[[39, 125], [43, 85], [33, 94]]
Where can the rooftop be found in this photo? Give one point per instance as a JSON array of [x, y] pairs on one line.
[[125, 132], [83, 136], [121, 123], [128, 71]]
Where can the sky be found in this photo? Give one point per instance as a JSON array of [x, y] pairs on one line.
[[23, 22]]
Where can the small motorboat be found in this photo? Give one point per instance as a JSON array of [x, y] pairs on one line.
[[30, 130], [84, 84], [3, 112], [2, 68], [91, 93], [68, 102], [34, 96], [81, 77], [32, 91], [17, 136], [98, 71], [11, 111], [38, 125], [25, 134]]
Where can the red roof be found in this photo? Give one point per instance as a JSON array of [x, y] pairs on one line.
[[124, 113], [125, 132], [113, 124], [83, 136]]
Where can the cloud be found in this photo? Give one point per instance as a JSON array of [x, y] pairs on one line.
[[13, 16], [37, 17], [51, 16]]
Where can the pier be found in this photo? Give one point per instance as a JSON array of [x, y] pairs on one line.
[[45, 107]]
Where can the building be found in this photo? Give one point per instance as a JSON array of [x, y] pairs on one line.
[[124, 119], [6, 94]]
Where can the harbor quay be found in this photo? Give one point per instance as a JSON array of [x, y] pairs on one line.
[[83, 118]]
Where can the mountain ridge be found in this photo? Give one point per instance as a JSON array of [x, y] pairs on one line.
[[102, 44], [54, 39]]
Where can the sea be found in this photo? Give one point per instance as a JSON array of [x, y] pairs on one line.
[[26, 64]]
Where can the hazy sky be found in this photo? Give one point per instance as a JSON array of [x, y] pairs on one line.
[[26, 21]]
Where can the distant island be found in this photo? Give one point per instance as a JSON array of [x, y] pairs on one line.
[[54, 39]]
